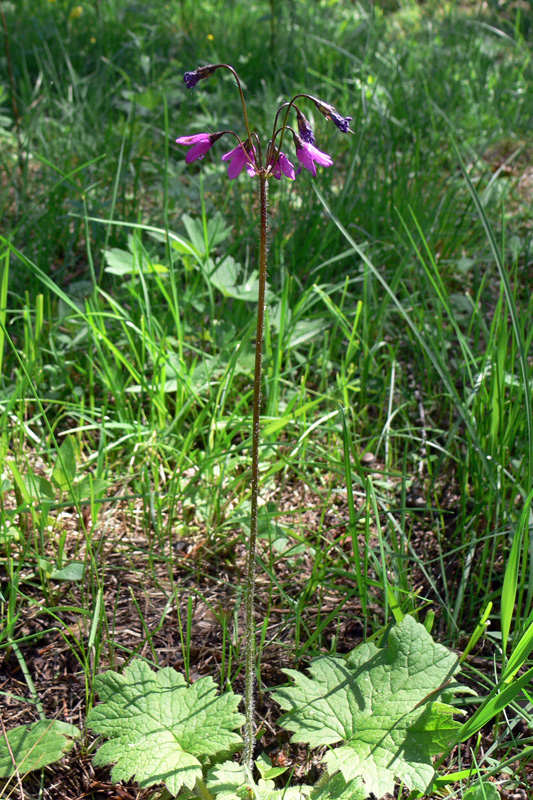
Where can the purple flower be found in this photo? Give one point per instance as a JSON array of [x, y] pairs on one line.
[[307, 154], [331, 113], [283, 167], [304, 128], [192, 78], [202, 143], [342, 123], [239, 158]]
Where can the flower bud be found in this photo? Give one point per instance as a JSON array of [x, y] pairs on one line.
[[192, 78]]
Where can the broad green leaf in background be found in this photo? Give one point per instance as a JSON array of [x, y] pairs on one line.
[[34, 746], [161, 729], [121, 262], [73, 571], [266, 790], [482, 791], [387, 706], [65, 466], [88, 487], [227, 278], [205, 236]]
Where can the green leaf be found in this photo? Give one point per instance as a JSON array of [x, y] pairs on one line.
[[227, 780], [482, 791], [163, 731], [119, 262], [34, 746], [226, 276], [65, 466], [217, 230], [266, 790], [39, 488], [87, 488], [382, 705], [195, 232], [214, 233], [337, 788], [265, 768], [70, 572]]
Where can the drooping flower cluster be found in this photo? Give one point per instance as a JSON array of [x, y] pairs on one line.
[[246, 156]]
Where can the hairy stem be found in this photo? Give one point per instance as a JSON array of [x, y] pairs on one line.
[[249, 727]]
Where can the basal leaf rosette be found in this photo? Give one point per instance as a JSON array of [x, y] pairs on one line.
[[387, 707], [160, 729]]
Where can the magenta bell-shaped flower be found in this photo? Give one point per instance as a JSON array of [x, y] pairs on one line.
[[202, 142], [283, 167], [239, 158], [307, 154]]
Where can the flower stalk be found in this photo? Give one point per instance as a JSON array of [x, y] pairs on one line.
[[249, 728]]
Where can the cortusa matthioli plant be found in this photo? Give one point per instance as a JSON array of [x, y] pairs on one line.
[[376, 716]]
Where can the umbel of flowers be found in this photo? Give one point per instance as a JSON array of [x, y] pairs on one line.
[[248, 154]]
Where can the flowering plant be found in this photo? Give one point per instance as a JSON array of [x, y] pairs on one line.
[[387, 707], [248, 154]]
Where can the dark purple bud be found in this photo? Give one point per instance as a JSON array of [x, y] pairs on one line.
[[304, 128], [331, 113], [342, 123], [192, 78]]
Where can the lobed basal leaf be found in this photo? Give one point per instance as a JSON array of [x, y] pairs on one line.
[[160, 729], [228, 781], [388, 707], [337, 788]]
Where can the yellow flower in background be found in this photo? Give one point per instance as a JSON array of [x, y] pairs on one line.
[[76, 12], [210, 37]]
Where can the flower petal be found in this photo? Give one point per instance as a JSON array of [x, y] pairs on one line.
[[305, 160], [286, 167], [240, 158], [317, 155], [307, 154], [231, 154], [304, 128], [194, 139], [198, 151], [202, 142], [283, 167], [236, 165]]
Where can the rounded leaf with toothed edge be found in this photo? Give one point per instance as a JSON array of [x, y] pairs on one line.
[[160, 729], [383, 705]]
